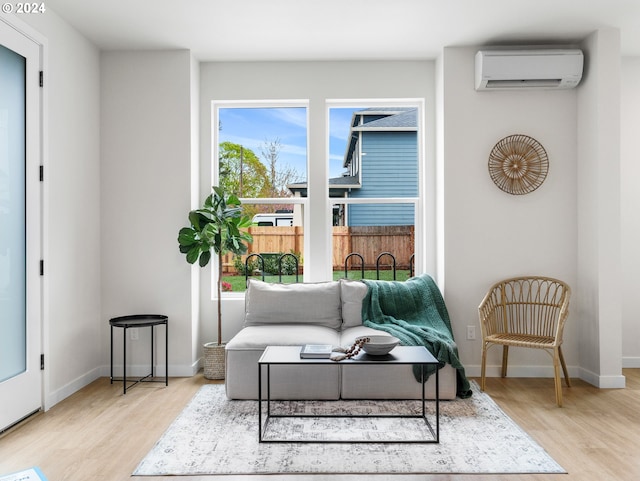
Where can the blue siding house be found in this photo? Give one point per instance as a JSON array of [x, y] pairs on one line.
[[382, 160]]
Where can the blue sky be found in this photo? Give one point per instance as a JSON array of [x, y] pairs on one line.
[[251, 127]]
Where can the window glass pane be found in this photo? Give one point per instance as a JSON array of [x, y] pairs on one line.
[[339, 128], [373, 152], [373, 155], [262, 157], [13, 295], [377, 249], [262, 151]]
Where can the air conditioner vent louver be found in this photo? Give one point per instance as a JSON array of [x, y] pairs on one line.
[[528, 69]]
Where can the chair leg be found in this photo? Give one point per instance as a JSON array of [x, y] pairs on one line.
[[483, 366], [567, 379], [505, 358], [558, 381]]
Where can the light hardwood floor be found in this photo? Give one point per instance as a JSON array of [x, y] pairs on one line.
[[99, 434]]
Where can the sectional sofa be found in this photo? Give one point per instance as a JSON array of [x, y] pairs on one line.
[[316, 313]]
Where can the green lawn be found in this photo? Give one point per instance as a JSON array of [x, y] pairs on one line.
[[238, 282]]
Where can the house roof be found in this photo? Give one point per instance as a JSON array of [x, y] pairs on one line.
[[337, 186], [345, 181], [396, 120]]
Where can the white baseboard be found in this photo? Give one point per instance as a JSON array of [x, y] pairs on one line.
[[138, 370], [631, 362], [54, 397], [517, 371], [603, 382]]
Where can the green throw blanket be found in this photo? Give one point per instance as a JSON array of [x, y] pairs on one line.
[[414, 312]]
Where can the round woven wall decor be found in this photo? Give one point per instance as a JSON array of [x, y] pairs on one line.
[[518, 164]]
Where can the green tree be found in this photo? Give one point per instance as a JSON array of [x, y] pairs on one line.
[[241, 171]]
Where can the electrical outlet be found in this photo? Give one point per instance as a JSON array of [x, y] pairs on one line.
[[134, 333], [471, 333]]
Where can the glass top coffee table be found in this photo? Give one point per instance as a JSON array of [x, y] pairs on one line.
[[274, 356]]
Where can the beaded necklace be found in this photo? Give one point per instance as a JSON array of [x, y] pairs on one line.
[[353, 350]]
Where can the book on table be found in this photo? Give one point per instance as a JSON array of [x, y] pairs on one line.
[[316, 351]]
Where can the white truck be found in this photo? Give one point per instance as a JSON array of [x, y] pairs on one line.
[[275, 219]]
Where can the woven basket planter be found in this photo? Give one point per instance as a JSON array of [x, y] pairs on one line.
[[213, 360]]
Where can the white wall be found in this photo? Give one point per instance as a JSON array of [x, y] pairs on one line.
[[147, 133], [489, 234], [72, 238], [629, 178]]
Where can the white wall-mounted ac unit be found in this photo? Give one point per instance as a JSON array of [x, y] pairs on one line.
[[528, 69]]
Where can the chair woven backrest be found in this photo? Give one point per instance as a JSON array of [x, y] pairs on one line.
[[536, 306]]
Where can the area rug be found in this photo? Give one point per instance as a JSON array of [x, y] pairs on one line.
[[215, 436]]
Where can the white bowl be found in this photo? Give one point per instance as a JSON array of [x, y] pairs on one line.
[[379, 345]]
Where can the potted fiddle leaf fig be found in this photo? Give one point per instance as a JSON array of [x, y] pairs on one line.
[[216, 226]]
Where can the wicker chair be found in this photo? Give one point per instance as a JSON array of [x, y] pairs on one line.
[[526, 312]]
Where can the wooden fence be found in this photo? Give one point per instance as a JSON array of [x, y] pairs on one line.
[[369, 242]]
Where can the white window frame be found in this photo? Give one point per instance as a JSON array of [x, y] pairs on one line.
[[216, 105], [423, 261], [424, 203]]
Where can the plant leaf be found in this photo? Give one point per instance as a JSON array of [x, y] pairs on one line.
[[199, 218], [233, 200], [219, 191], [187, 236], [193, 254], [244, 221], [204, 258]]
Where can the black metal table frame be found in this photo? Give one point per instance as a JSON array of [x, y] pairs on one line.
[[136, 321], [263, 426]]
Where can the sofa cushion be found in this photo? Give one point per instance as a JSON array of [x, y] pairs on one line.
[[303, 303], [352, 293], [259, 337], [287, 382]]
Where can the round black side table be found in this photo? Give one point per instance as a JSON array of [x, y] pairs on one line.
[[135, 321]]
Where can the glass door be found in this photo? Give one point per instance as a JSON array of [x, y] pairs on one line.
[[20, 291]]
